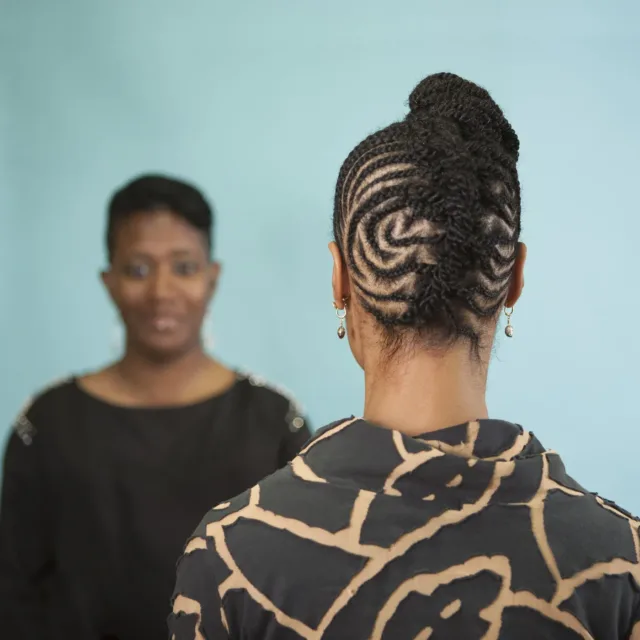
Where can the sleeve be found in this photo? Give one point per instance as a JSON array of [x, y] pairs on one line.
[[197, 609], [25, 557]]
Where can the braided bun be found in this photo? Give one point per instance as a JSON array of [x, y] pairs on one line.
[[449, 96]]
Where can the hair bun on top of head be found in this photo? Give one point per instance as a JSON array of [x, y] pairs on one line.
[[448, 96]]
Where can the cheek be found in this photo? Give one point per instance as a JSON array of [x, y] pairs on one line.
[[128, 298], [196, 294]]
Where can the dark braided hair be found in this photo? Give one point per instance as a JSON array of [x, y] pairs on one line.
[[154, 193], [427, 213]]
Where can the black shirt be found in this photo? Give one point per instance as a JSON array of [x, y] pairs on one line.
[[471, 532], [97, 501]]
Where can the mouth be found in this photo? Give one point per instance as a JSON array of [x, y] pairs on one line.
[[164, 324]]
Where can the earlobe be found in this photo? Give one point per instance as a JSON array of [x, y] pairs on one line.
[[105, 277], [214, 274], [107, 281], [517, 277], [340, 278]]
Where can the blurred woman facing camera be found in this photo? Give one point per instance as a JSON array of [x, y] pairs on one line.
[[106, 474]]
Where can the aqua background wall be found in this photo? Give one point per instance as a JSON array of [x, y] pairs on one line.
[[259, 102]]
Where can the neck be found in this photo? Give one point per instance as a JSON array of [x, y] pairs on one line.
[[161, 380], [426, 392]]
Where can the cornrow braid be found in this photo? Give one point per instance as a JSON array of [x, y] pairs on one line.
[[427, 212]]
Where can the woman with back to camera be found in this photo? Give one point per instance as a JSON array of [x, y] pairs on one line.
[[106, 474], [425, 518]]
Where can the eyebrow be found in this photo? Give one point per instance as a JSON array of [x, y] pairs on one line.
[[182, 252], [177, 253]]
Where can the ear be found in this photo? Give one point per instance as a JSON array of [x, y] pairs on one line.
[[213, 275], [107, 278], [517, 277], [340, 278]]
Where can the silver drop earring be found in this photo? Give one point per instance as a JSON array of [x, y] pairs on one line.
[[508, 330], [342, 314]]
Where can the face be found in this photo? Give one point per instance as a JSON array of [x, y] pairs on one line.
[[161, 280]]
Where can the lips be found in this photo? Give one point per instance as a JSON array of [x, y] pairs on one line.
[[164, 324]]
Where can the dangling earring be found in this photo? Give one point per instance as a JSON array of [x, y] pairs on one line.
[[508, 330], [342, 314]]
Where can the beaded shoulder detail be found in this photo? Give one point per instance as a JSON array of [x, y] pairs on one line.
[[295, 415], [22, 425]]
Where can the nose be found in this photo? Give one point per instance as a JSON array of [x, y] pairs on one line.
[[161, 285]]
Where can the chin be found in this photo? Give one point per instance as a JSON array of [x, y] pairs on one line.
[[166, 349]]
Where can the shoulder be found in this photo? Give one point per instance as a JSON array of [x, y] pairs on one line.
[[591, 539], [563, 493], [292, 496], [227, 512], [237, 516], [585, 530], [276, 400], [618, 517], [41, 406]]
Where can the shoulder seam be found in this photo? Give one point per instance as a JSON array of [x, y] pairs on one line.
[[295, 414], [23, 427]]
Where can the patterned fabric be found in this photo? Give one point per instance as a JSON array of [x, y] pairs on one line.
[[474, 531]]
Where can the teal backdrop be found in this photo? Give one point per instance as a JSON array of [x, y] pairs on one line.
[[259, 102]]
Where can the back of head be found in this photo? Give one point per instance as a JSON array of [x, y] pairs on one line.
[[427, 214], [151, 193]]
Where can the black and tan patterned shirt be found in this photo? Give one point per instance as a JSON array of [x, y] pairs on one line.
[[474, 531]]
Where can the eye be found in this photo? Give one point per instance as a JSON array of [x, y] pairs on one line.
[[186, 268], [138, 271]]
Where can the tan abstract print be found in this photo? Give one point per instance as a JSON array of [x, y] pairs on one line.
[[473, 532]]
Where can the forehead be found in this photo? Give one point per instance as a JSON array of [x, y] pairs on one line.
[[157, 232]]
